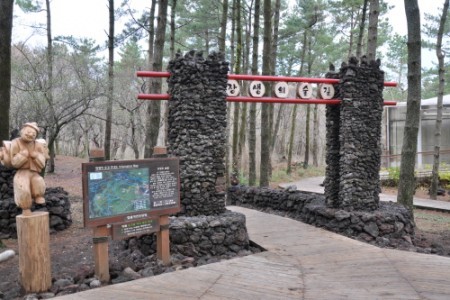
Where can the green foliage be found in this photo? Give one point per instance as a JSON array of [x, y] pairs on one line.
[[243, 179], [280, 175], [394, 173], [29, 5]]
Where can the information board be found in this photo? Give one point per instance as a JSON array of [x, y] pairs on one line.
[[124, 191]]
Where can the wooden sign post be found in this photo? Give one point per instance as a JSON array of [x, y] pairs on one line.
[[162, 236], [101, 254], [34, 251]]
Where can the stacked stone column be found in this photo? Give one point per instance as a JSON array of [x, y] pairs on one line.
[[197, 130], [360, 88], [333, 112]]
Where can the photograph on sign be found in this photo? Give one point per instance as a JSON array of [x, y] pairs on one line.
[[119, 191], [256, 89], [233, 88], [304, 90], [281, 89]]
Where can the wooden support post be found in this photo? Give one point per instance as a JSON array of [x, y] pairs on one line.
[[101, 255], [159, 151], [34, 251], [162, 240], [162, 236]]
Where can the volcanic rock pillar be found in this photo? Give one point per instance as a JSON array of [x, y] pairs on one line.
[[197, 130], [352, 177]]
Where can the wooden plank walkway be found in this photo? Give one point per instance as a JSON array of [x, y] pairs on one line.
[[301, 262]]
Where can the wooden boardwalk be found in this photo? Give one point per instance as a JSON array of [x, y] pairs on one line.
[[301, 262]]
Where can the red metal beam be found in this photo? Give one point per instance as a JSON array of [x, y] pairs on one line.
[[153, 96], [261, 77], [262, 100]]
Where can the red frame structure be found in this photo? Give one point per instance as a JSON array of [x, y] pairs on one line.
[[155, 74]]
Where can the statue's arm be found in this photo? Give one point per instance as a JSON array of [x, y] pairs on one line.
[[38, 156], [18, 157]]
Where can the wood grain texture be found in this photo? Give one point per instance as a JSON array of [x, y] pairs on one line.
[[301, 262], [34, 251]]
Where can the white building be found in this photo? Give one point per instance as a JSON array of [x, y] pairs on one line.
[[394, 125]]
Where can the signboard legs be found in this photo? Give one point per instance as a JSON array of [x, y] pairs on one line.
[[162, 236], [162, 240], [101, 255]]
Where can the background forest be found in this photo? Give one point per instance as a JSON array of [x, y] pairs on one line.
[[83, 100]]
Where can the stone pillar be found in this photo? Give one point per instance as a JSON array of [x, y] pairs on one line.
[[197, 130], [361, 89], [332, 157]]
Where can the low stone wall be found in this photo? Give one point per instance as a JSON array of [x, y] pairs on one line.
[[57, 204], [389, 224], [200, 236]]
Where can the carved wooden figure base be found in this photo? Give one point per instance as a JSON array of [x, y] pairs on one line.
[[34, 251]]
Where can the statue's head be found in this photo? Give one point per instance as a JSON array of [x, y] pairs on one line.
[[29, 131]]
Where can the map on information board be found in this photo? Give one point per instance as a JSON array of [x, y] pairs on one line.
[[124, 191], [119, 192]]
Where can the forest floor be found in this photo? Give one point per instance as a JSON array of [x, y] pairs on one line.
[[71, 249]]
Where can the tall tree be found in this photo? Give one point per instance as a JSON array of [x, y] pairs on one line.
[[362, 25], [406, 185], [49, 91], [252, 121], [438, 127], [237, 68], [265, 110], [223, 26], [110, 94], [154, 108], [372, 35], [172, 28], [6, 23]]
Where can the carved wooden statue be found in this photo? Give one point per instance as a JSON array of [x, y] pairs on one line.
[[28, 156]]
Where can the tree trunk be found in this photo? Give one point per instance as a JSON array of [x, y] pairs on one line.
[[223, 26], [307, 143], [362, 25], [372, 35], [291, 139], [233, 32], [172, 28], [6, 23], [49, 91], [406, 186], [154, 109], [265, 118], [276, 128], [252, 121], [437, 131], [236, 158], [242, 135], [315, 146], [109, 104], [274, 46], [151, 37]]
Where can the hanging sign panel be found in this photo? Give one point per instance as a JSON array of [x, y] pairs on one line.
[[326, 91], [305, 90], [233, 88], [124, 191], [256, 89], [281, 89]]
